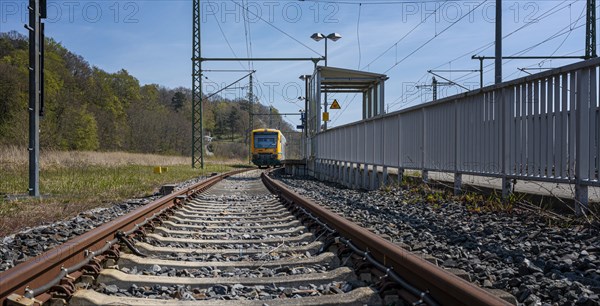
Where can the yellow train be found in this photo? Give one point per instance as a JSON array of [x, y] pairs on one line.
[[268, 147]]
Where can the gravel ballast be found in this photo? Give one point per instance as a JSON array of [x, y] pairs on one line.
[[513, 251], [21, 246]]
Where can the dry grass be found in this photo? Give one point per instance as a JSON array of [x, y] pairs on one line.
[[17, 157], [72, 182]]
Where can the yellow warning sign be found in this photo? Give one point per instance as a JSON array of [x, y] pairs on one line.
[[325, 116], [335, 105]]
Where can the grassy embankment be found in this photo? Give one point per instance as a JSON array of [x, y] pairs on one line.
[[72, 182]]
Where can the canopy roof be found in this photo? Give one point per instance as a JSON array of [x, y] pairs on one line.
[[345, 80]]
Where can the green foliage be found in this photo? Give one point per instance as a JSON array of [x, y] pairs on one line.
[[87, 108], [82, 132], [477, 202], [178, 100]]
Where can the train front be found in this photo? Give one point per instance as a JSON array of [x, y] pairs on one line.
[[266, 149]]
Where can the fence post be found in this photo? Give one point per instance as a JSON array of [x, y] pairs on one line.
[[457, 175], [384, 175], [424, 173], [400, 175], [365, 177], [341, 172], [373, 178], [357, 176], [582, 145], [506, 121]]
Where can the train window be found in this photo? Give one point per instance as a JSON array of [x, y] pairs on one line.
[[265, 141]]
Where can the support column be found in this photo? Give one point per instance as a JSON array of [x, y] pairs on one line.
[[365, 177], [507, 188], [582, 136], [357, 177], [400, 175], [373, 178], [384, 175], [320, 169], [345, 174], [581, 200], [353, 175], [457, 183], [331, 171]]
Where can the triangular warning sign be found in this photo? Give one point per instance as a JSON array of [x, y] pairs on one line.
[[335, 105]]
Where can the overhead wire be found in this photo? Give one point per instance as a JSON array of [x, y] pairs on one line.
[[244, 15], [432, 38], [569, 34], [358, 34], [562, 31], [225, 37], [405, 35], [553, 10], [276, 28]]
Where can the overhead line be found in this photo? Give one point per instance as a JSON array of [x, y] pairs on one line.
[[434, 37], [405, 35], [225, 37], [544, 15], [276, 28]]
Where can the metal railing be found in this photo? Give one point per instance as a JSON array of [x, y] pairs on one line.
[[544, 127]]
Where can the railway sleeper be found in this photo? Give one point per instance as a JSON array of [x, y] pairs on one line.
[[332, 270]]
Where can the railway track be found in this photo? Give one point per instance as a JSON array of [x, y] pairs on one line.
[[240, 239]]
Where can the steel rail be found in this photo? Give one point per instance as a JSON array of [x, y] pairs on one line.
[[41, 270], [444, 286]]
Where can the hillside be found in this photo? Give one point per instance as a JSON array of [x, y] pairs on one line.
[[87, 108]]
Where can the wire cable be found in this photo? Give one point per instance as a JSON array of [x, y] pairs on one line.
[[405, 35], [358, 33], [225, 37], [277, 28], [434, 37]]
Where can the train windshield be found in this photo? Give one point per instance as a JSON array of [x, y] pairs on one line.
[[265, 140]]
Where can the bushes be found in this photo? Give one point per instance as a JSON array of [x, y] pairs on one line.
[[231, 150]]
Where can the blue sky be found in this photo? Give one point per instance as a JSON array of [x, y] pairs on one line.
[[152, 40]]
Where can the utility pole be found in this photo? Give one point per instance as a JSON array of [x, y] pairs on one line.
[[270, 116], [590, 30], [498, 64], [434, 85], [197, 123], [250, 118], [37, 12]]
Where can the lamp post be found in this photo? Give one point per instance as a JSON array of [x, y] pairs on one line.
[[319, 37]]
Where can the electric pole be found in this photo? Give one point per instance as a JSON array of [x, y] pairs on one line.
[[37, 12], [498, 63], [250, 118], [197, 123], [590, 30]]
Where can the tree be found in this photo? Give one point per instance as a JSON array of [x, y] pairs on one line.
[[232, 121], [178, 101]]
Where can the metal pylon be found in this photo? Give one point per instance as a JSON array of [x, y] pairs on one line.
[[590, 30], [197, 126]]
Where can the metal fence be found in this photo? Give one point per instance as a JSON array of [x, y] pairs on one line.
[[543, 127]]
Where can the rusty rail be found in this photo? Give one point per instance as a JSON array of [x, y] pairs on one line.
[[443, 286], [42, 269]]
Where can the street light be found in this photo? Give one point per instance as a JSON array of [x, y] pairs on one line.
[[319, 37]]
